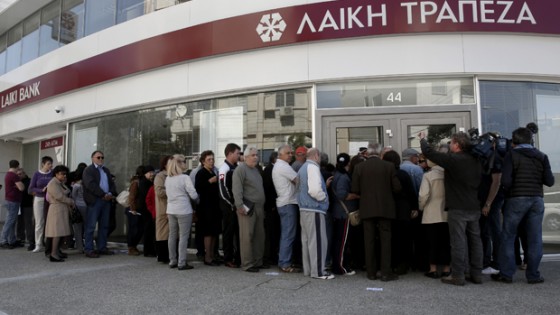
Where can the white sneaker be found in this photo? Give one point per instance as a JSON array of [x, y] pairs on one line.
[[326, 276], [490, 271], [350, 273], [37, 249]]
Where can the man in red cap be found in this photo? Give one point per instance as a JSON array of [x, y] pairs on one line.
[[301, 153]]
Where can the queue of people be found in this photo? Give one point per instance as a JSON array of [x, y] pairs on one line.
[[421, 213]]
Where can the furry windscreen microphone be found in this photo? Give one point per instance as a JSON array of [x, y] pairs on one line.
[[533, 127]]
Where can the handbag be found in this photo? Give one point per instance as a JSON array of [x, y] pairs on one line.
[[75, 216], [122, 198], [353, 217]]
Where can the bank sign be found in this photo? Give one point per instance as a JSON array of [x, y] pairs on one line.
[[292, 25]]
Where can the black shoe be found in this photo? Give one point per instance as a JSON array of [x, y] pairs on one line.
[[432, 274], [536, 281], [389, 277], [264, 266], [231, 264], [173, 266], [19, 244], [252, 269], [500, 278], [92, 254], [52, 259], [475, 280], [30, 247], [185, 267], [453, 281], [7, 246], [62, 255]]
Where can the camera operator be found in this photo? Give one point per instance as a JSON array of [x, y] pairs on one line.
[[491, 200], [524, 173], [461, 180]]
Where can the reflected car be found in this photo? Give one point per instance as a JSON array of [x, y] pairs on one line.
[[551, 220]]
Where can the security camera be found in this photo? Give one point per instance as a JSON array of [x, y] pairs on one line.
[[58, 109]]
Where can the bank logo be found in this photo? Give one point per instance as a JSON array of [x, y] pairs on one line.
[[271, 27]]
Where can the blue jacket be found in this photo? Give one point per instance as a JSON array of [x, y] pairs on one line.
[[305, 201]]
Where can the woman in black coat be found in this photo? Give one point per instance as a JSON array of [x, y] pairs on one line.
[[406, 204], [208, 210]]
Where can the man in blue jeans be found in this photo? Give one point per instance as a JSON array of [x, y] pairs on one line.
[[285, 178], [14, 194], [99, 191], [525, 171]]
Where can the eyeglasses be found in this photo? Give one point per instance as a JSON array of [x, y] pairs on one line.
[[100, 157]]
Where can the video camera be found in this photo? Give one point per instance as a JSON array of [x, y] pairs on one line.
[[491, 145]]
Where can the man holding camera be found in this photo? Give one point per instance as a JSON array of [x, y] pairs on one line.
[[524, 173], [462, 179]]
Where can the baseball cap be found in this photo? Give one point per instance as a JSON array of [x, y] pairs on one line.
[[409, 152], [301, 150]]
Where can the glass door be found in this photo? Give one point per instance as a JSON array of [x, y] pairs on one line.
[[350, 133], [399, 131]]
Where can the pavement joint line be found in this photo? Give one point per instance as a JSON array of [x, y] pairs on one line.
[[60, 273]]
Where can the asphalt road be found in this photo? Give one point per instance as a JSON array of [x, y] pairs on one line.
[[121, 284]]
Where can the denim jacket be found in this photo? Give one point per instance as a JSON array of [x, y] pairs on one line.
[[305, 201]]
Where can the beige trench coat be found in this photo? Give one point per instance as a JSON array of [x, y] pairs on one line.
[[162, 227]]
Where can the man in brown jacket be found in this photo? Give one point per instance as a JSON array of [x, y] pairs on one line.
[[375, 181]]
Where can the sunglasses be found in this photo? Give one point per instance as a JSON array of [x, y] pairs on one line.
[[100, 157]]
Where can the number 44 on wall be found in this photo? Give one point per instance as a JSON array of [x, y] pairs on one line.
[[394, 97]]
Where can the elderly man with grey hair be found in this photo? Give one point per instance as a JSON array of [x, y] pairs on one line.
[[313, 204], [285, 179], [248, 193]]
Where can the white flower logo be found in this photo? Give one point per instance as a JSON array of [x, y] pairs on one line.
[[270, 27]]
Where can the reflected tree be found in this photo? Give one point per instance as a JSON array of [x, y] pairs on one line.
[[436, 133]]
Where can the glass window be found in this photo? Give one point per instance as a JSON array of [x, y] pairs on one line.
[[71, 21], [436, 135], [100, 14], [143, 137], [352, 139], [3, 45], [13, 57], [506, 106], [129, 9], [396, 93], [50, 28], [30, 40], [547, 98]]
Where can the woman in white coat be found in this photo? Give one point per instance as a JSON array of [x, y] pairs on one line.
[[180, 191]]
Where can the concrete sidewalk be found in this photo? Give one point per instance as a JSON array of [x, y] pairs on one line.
[[121, 284]]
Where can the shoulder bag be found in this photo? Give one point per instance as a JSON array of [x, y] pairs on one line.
[[353, 217]]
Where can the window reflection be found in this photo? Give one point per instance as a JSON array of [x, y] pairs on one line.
[[72, 21], [50, 27], [509, 105], [350, 140], [3, 39], [30, 40], [129, 9], [143, 137], [396, 93], [13, 53], [100, 14]]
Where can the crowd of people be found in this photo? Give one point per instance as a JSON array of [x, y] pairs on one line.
[[438, 212]]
